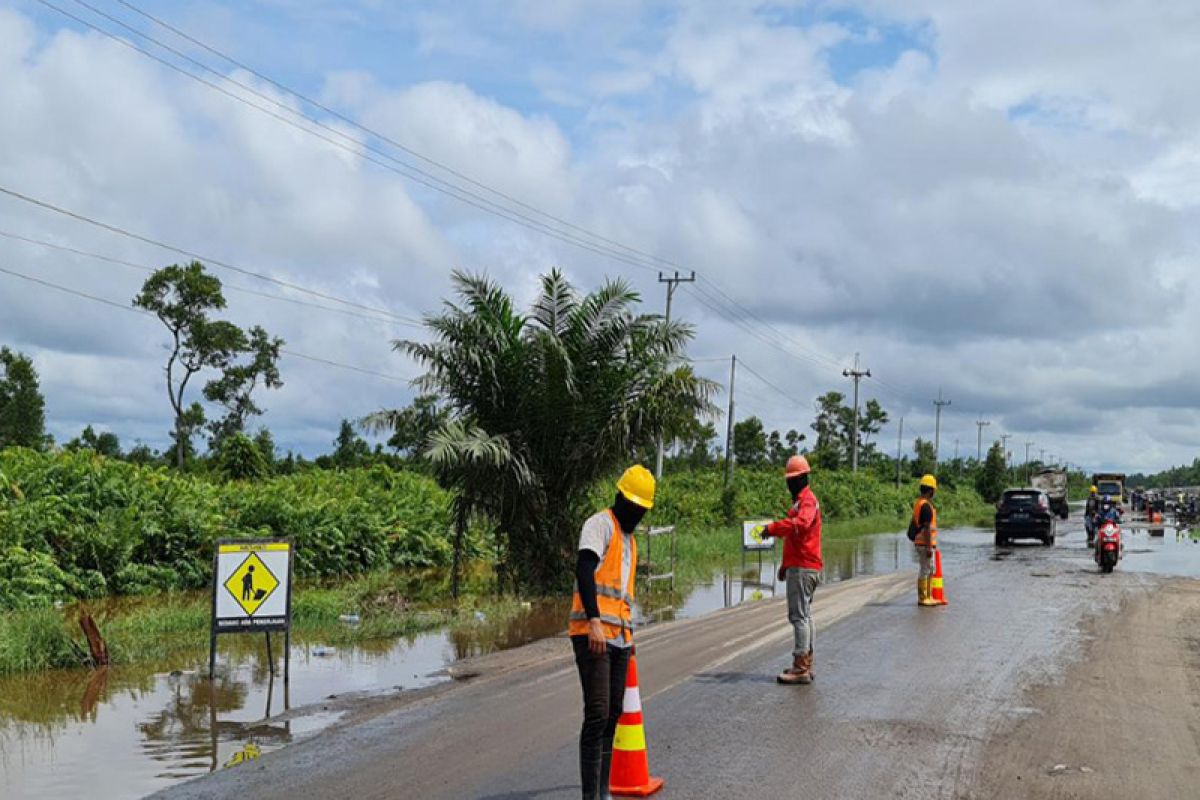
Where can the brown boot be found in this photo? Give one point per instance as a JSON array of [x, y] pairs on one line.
[[798, 673], [808, 665]]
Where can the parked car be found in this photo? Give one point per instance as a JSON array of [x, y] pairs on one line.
[[1024, 514]]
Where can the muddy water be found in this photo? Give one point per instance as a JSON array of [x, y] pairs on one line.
[[127, 731]]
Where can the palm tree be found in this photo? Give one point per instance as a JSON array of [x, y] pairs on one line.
[[547, 404]]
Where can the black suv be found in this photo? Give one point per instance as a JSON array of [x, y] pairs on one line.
[[1024, 514]]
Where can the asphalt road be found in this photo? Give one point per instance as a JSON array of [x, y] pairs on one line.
[[1042, 678]]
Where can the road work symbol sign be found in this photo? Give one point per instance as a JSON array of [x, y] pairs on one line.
[[252, 585], [752, 538]]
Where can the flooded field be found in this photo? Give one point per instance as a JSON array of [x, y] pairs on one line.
[[127, 731]]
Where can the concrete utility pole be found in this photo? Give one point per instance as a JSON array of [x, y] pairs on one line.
[[672, 284], [1004, 437], [858, 375], [899, 445], [981, 424], [939, 404], [1027, 474], [729, 428]]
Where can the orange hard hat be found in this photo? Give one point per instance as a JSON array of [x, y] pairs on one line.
[[797, 465]]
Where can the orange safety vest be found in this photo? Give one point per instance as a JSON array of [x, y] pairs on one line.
[[923, 539], [614, 601]]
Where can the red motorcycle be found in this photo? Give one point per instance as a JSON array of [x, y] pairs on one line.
[[1108, 545]]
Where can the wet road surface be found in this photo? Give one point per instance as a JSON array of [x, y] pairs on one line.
[[908, 702]]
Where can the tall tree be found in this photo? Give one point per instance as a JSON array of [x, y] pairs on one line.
[[184, 299], [547, 404], [989, 481], [926, 458], [349, 449], [22, 407], [233, 390], [749, 442]]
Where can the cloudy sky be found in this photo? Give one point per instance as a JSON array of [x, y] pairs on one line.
[[997, 198]]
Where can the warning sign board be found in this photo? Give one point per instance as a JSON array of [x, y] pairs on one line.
[[752, 538], [252, 585]]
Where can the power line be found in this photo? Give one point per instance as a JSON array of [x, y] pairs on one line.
[[783, 393], [232, 288], [141, 312], [197, 256]]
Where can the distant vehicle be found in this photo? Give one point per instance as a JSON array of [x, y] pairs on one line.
[[1054, 483], [1111, 484], [1024, 514]]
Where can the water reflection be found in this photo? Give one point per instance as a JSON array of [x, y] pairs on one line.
[[127, 731]]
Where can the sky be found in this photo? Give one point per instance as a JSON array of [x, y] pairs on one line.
[[997, 200]]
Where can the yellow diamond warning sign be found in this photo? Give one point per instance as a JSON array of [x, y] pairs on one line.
[[251, 584]]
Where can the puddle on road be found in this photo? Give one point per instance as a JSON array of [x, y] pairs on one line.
[[129, 731]]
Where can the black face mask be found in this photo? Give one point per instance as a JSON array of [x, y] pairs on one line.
[[797, 484], [628, 514]]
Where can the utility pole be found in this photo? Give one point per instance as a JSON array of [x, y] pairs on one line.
[[1027, 446], [981, 424], [672, 284], [899, 445], [939, 404], [1004, 437], [729, 429], [858, 375]]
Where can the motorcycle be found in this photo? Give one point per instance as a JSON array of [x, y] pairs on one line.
[[1108, 545]]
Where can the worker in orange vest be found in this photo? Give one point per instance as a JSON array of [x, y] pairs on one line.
[[923, 533], [601, 621], [801, 568]]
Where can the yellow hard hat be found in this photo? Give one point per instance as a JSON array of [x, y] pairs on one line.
[[929, 481], [1093, 490], [637, 484]]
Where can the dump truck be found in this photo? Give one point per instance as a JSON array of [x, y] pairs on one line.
[[1054, 483], [1111, 484]]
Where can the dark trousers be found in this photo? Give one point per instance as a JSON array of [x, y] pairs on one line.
[[603, 681]]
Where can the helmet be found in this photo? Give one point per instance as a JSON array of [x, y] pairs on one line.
[[637, 484], [1093, 490], [929, 482], [797, 465]]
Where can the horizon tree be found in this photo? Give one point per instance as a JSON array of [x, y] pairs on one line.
[[22, 406]]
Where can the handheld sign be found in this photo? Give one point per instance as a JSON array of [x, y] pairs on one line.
[[752, 538], [252, 590]]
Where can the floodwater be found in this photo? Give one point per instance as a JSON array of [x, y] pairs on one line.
[[125, 732]]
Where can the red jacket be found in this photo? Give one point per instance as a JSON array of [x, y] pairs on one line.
[[801, 532]]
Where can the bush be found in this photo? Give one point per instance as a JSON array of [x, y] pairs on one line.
[[76, 525]]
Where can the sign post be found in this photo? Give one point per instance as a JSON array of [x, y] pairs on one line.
[[252, 593], [754, 542]]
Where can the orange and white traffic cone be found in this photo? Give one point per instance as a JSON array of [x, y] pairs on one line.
[[630, 776], [939, 592]]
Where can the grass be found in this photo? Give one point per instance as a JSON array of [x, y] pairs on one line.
[[161, 627]]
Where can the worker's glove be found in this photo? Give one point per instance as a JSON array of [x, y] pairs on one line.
[[782, 574]]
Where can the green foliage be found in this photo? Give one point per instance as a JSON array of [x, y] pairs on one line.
[[925, 461], [551, 402], [991, 478], [22, 407], [76, 525], [410, 427], [240, 459], [749, 443], [183, 299], [105, 443]]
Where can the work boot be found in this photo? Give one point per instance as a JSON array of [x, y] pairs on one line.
[[924, 593], [798, 673], [808, 666]]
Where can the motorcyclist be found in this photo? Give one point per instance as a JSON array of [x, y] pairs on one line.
[[1090, 510], [1109, 512]]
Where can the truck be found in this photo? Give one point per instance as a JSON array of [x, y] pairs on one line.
[[1054, 483], [1111, 484]]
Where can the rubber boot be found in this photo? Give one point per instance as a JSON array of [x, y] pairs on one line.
[[924, 593], [796, 674]]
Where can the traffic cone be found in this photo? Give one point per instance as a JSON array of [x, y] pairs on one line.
[[939, 593], [630, 776]]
